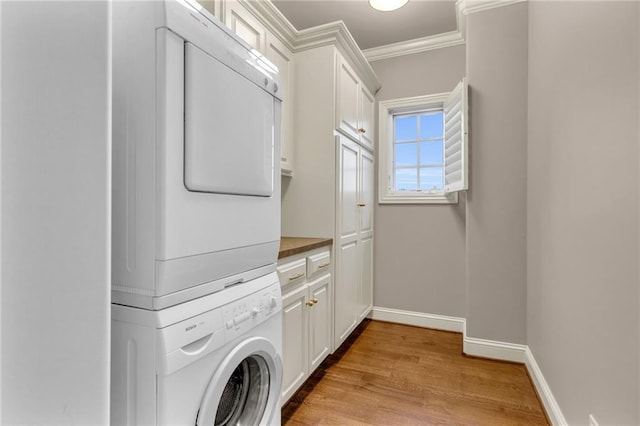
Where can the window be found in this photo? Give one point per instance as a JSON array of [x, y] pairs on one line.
[[423, 149]]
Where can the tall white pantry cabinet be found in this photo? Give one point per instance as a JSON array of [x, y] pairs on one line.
[[331, 194]]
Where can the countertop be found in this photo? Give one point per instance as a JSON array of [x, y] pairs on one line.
[[294, 245]]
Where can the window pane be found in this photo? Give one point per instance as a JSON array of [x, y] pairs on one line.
[[406, 154], [431, 153], [405, 128], [431, 178], [406, 180], [431, 125]]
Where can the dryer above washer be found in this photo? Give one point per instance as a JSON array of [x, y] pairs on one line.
[[196, 140]]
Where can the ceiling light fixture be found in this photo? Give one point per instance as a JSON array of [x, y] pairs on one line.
[[387, 5]]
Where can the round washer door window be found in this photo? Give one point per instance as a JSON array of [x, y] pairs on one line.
[[245, 388], [245, 395]]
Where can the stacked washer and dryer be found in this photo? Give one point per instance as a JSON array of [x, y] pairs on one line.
[[196, 313]]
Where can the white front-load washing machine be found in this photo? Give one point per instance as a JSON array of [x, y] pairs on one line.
[[216, 360]]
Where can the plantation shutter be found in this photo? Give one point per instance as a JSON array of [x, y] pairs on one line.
[[456, 155]]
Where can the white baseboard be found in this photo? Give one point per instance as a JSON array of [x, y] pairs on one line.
[[419, 319], [495, 350], [550, 404], [501, 351]]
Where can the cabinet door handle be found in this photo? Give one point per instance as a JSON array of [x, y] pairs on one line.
[[314, 300], [324, 265], [296, 276], [361, 130], [361, 204], [310, 303]]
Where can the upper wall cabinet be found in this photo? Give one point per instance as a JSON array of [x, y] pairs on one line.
[[354, 106], [245, 25], [213, 6], [282, 57], [249, 28]]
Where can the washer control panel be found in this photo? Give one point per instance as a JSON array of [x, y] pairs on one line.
[[248, 312]]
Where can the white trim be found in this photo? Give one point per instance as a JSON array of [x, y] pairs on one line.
[[419, 319], [385, 110], [493, 349], [337, 33], [409, 47], [274, 20], [333, 33], [466, 7], [546, 396], [399, 198]]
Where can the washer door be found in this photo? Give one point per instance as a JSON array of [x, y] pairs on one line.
[[245, 389]]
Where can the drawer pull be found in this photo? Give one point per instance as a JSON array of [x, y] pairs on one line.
[[311, 302], [296, 276], [361, 204], [324, 265]]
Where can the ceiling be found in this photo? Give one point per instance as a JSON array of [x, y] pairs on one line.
[[369, 27]]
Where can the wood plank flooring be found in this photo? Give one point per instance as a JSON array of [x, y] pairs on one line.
[[392, 374]]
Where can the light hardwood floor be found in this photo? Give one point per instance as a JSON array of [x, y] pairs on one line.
[[392, 374]]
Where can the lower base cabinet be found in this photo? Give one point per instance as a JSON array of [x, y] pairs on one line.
[[307, 316]]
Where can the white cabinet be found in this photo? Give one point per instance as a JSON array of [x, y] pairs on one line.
[[354, 105], [245, 25], [213, 6], [366, 104], [355, 237], [307, 316], [282, 57], [332, 192], [249, 28], [295, 345], [347, 93]]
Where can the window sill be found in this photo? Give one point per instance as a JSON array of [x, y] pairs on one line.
[[418, 199]]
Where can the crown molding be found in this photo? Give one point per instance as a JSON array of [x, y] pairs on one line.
[[333, 33], [409, 47], [466, 7], [337, 34], [274, 20]]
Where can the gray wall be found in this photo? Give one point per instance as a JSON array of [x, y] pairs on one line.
[[496, 202], [55, 212], [419, 249], [582, 226]]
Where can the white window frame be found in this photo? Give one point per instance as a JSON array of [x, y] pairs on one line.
[[386, 111]]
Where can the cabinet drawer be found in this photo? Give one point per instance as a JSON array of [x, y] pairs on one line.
[[294, 271], [319, 262]]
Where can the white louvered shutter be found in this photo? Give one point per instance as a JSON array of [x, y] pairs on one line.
[[456, 155]]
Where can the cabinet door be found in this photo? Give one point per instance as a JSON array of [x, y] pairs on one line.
[[245, 25], [365, 193], [347, 282], [366, 117], [213, 6], [282, 57], [347, 191], [347, 109], [365, 233], [347, 259], [294, 340], [365, 290], [319, 321]]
